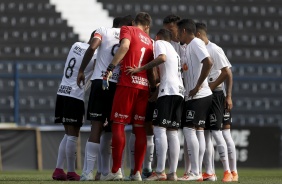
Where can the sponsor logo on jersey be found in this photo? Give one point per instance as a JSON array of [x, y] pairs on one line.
[[139, 80], [144, 39], [79, 51], [213, 118], [155, 115], [94, 114], [69, 120], [116, 34], [65, 89], [190, 114], [121, 116], [201, 122], [181, 90], [140, 118]]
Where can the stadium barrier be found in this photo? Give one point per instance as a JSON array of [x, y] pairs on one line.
[[36, 148]]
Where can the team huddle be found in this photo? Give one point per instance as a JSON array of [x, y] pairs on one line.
[[179, 80]]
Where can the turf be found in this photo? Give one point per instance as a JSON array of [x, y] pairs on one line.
[[246, 176]]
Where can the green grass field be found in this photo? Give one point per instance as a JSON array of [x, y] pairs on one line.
[[254, 176]]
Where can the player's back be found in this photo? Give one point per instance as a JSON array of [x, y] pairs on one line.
[[68, 86], [109, 44], [140, 53]]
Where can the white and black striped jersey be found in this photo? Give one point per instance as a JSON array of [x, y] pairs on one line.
[[195, 52], [170, 71], [219, 61], [106, 51], [68, 86]]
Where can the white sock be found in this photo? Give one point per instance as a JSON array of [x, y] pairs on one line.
[[62, 153], [85, 158], [132, 149], [221, 148], [187, 163], [202, 148], [208, 156], [174, 149], [92, 154], [231, 149], [147, 164], [161, 147], [106, 152], [193, 148], [71, 152]]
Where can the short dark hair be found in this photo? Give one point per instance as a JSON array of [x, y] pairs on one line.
[[116, 21], [126, 21], [187, 24], [143, 19], [171, 19], [201, 26], [165, 34]]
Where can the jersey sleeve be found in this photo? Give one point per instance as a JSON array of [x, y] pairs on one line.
[[125, 33], [159, 48], [99, 33], [201, 50], [220, 59]]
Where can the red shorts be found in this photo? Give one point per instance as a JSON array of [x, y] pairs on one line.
[[129, 105]]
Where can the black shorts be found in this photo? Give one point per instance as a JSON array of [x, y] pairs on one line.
[[215, 120], [227, 117], [196, 112], [69, 111], [168, 111], [100, 103], [150, 111]]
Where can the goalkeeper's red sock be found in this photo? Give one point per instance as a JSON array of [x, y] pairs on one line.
[[140, 148], [118, 142]]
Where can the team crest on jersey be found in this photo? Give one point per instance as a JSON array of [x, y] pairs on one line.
[[190, 114], [144, 39]]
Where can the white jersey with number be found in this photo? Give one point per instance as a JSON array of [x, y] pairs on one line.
[[180, 49], [170, 71], [68, 86], [219, 61], [194, 54], [106, 51]]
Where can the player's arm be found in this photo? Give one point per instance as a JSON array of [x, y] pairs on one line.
[[207, 64], [122, 50], [95, 43], [157, 61], [229, 83], [221, 78]]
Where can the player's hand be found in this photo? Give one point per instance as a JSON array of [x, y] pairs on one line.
[[154, 95], [132, 70], [105, 82], [80, 78], [228, 103], [212, 85], [194, 91]]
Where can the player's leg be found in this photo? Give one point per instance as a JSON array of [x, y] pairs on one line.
[[147, 165], [175, 111], [59, 173], [106, 152], [209, 174], [71, 150], [227, 121], [215, 120]]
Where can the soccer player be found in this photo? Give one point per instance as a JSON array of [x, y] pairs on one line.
[[217, 76], [167, 114], [106, 40], [198, 96], [170, 23], [131, 95], [69, 109]]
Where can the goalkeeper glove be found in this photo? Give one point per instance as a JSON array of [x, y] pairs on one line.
[[107, 76]]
